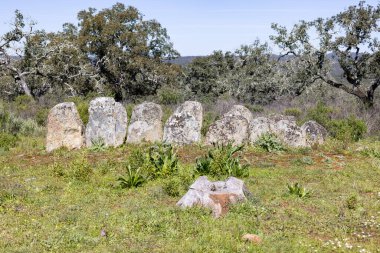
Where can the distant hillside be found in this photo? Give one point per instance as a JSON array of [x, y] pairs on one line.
[[183, 60]]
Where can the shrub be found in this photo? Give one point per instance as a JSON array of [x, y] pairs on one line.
[[169, 96], [80, 170], [321, 114], [41, 116], [269, 143], [7, 141], [297, 190], [293, 112], [162, 160], [133, 178], [220, 161], [349, 129], [173, 186], [82, 105], [352, 202]]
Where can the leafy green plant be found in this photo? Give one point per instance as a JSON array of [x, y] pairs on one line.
[[220, 161], [293, 112], [7, 141], [297, 190], [352, 202], [133, 179], [306, 160], [163, 160], [80, 170], [371, 152], [98, 145], [269, 142]]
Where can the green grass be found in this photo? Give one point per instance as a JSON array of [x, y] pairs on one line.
[[72, 202]]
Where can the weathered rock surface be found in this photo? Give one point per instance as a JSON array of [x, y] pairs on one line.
[[284, 127], [184, 126], [64, 127], [145, 123], [288, 131], [215, 195], [107, 122], [229, 129], [258, 127], [314, 133], [239, 110]]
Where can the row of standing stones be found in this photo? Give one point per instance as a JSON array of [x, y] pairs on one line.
[[108, 123]]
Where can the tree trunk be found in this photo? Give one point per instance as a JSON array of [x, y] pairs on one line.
[[24, 86]]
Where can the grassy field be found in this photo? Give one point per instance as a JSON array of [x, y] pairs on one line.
[[72, 202]]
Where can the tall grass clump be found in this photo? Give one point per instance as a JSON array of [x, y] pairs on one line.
[[221, 161]]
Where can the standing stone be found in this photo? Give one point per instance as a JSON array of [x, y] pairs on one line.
[[145, 123], [241, 111], [288, 131], [314, 133], [215, 195], [64, 127], [107, 122], [284, 127], [184, 126], [258, 127], [229, 129]]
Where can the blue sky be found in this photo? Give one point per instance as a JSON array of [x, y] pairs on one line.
[[196, 27]]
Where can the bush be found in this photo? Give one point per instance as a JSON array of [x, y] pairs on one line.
[[293, 112], [7, 141], [269, 143], [321, 114], [41, 116], [162, 160], [82, 105], [169, 96], [347, 130], [220, 161], [80, 170], [350, 129]]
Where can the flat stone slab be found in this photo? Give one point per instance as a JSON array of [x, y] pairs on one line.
[[216, 195]]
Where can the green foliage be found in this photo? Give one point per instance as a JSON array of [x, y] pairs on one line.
[[293, 112], [371, 152], [270, 143], [347, 36], [347, 130], [7, 141], [321, 114], [208, 119], [173, 186], [98, 145], [169, 96], [162, 160], [82, 105], [80, 170], [297, 190], [305, 160], [352, 202], [41, 116], [133, 178], [221, 161]]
